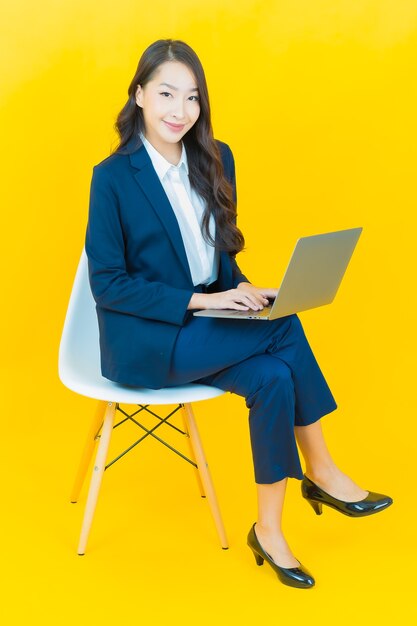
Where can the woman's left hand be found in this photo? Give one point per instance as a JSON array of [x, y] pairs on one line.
[[260, 293]]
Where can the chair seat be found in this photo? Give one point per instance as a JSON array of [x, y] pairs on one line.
[[93, 385]]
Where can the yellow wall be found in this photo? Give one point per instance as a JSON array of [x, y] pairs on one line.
[[317, 99]]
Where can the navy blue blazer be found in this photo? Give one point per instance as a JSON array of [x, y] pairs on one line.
[[138, 268]]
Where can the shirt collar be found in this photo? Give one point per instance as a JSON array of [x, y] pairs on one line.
[[159, 162]]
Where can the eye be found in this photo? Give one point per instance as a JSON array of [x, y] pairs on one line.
[[166, 93]]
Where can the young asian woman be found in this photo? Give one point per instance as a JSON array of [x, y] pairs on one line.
[[162, 241]]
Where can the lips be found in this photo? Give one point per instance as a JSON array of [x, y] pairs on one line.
[[176, 127]]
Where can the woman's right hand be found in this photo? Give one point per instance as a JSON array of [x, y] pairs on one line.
[[236, 299]]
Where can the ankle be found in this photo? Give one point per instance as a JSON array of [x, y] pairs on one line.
[[268, 530], [322, 472]]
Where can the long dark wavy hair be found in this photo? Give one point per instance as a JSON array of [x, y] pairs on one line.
[[205, 165]]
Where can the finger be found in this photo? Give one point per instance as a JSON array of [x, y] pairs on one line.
[[262, 299], [240, 303], [259, 299], [252, 302], [252, 299], [238, 307], [260, 295], [235, 303]]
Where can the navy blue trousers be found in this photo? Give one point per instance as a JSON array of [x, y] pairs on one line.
[[271, 364]]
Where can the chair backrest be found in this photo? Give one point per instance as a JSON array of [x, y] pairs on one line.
[[79, 350], [79, 356]]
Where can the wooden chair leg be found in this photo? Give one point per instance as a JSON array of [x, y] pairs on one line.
[[98, 470], [192, 455], [205, 473], [88, 450]]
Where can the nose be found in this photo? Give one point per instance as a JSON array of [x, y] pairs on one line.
[[178, 108]]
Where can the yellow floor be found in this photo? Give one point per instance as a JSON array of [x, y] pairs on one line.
[[153, 554]]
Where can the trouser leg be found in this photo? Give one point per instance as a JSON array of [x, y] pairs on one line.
[[269, 363], [267, 385]]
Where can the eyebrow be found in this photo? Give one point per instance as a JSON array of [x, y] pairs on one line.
[[176, 88]]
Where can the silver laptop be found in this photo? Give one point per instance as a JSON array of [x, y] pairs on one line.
[[312, 278]]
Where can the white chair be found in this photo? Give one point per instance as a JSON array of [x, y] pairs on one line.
[[79, 370]]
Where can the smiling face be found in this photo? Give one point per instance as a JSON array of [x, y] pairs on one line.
[[170, 104]]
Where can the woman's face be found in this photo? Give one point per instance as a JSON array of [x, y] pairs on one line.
[[170, 103]]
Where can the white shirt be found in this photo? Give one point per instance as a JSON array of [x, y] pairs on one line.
[[188, 207]]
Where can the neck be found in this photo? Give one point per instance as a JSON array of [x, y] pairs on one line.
[[170, 151]]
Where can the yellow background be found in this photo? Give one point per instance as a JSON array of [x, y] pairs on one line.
[[317, 99]]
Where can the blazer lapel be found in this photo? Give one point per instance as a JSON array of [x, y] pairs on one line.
[[151, 186]]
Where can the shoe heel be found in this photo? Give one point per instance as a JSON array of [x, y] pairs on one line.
[[317, 506], [259, 559]]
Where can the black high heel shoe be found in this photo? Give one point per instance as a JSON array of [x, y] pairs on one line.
[[292, 576], [373, 503]]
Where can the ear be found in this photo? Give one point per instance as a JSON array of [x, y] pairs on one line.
[[139, 95]]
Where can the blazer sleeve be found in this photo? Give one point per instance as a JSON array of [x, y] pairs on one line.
[[111, 285], [238, 276]]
